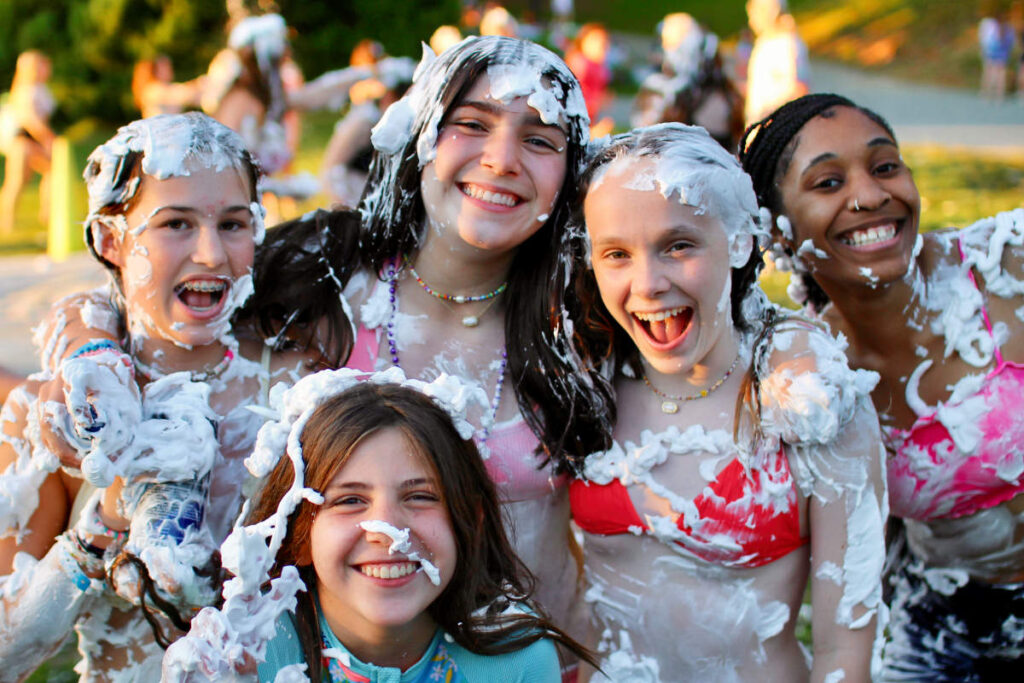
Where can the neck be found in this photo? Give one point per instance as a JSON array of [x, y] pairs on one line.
[[459, 268], [398, 647], [703, 374], [877, 319], [163, 356]]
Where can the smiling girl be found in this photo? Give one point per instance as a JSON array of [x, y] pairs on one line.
[[409, 573], [938, 317], [746, 457], [453, 265], [174, 218]]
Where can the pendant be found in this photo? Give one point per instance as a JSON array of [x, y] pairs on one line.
[[669, 407], [470, 321]]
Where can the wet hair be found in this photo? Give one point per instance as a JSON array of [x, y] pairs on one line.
[[691, 145], [564, 403], [300, 271], [767, 149], [113, 172], [488, 576]]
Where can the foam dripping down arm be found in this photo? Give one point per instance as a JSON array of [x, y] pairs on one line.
[[846, 513], [39, 605], [822, 412]]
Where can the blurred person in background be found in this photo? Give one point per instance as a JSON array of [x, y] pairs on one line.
[[26, 138], [778, 70]]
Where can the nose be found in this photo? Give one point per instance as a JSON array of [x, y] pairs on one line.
[[650, 278], [209, 247], [501, 151], [867, 193]]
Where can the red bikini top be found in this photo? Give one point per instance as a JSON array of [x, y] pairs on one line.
[[738, 524]]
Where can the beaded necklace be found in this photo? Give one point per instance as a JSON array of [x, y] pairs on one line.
[[389, 332], [448, 299], [670, 403]]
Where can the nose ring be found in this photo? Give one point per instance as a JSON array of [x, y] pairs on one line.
[[856, 205]]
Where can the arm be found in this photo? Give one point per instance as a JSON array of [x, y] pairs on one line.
[[41, 587], [822, 410]]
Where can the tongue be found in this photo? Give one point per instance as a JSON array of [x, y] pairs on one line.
[[195, 299], [669, 329]]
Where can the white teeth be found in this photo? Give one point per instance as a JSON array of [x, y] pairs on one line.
[[859, 238], [488, 196], [388, 571], [660, 315], [204, 285]]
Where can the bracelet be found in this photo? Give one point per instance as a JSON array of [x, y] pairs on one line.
[[94, 347], [72, 564], [91, 523]]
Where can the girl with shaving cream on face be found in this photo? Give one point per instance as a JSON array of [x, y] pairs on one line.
[[453, 265], [408, 571], [174, 217], [746, 457], [937, 317]]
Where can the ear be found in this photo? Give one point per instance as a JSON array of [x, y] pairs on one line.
[[740, 247], [106, 243]]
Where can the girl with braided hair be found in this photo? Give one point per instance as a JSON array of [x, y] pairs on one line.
[[938, 317]]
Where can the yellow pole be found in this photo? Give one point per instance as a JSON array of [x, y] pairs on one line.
[[63, 235]]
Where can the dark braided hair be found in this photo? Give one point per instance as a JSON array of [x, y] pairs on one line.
[[767, 148]]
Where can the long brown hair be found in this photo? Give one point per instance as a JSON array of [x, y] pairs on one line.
[[487, 572]]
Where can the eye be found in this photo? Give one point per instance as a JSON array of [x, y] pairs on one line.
[[176, 224], [827, 183], [347, 501], [681, 245], [616, 254], [423, 496], [541, 142], [887, 167], [469, 125], [231, 225]]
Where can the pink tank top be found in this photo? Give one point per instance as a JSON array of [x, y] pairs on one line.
[[513, 464], [931, 478]]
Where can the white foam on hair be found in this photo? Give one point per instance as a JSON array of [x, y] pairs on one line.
[[688, 164], [515, 68], [266, 35]]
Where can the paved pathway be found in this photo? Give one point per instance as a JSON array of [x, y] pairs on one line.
[[918, 113]]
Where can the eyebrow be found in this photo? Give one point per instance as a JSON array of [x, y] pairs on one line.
[[193, 209], [494, 109], [363, 486], [828, 156]]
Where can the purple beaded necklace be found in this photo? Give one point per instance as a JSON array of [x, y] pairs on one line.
[[389, 331]]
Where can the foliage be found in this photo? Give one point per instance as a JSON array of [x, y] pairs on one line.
[[94, 43]]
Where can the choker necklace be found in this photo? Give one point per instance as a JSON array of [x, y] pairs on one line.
[[670, 403], [469, 320], [389, 332], [151, 373]]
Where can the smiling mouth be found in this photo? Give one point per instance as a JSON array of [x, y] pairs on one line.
[[867, 237], [489, 196], [390, 570], [201, 295], [665, 327]]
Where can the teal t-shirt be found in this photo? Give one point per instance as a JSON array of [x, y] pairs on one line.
[[445, 661]]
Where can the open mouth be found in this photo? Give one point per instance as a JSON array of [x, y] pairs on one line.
[[202, 295], [490, 196], [869, 237], [665, 327], [389, 570]]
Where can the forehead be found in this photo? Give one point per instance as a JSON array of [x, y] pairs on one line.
[[844, 129], [494, 92], [385, 456], [202, 188], [628, 202]]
